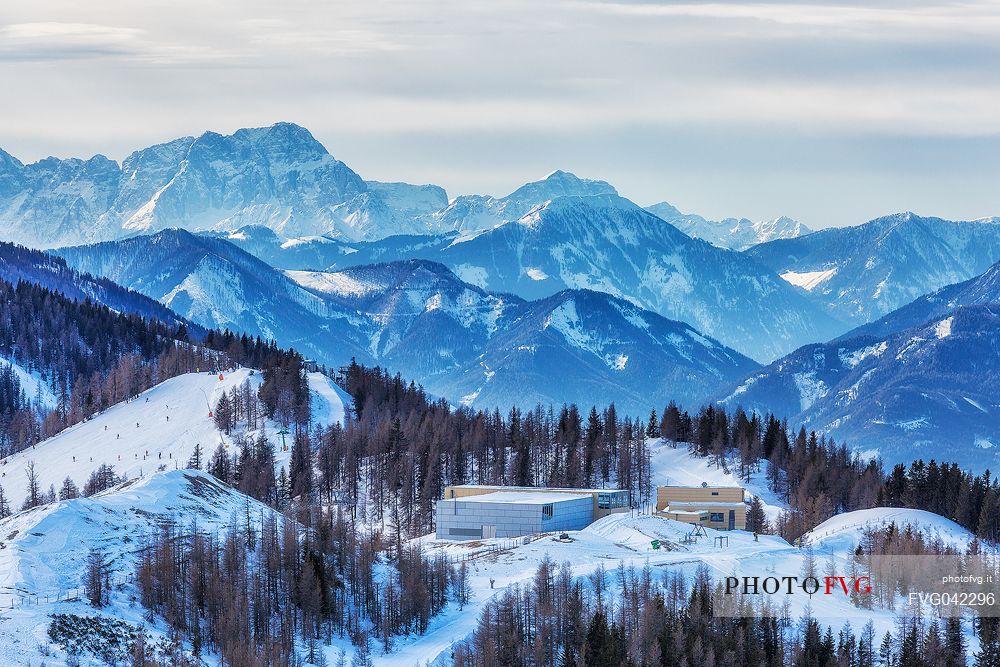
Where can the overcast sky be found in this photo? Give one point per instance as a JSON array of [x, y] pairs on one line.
[[829, 113]]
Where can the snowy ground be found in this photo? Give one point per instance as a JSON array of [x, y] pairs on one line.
[[159, 428], [843, 532]]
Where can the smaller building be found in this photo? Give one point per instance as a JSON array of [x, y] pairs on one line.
[[718, 507]]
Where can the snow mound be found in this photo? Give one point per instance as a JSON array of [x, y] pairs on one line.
[[638, 531], [843, 532]]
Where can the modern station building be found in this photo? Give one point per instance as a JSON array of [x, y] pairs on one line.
[[718, 507], [469, 511]]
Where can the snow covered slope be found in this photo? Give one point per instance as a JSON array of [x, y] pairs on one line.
[[732, 233], [843, 532], [885, 263], [44, 551], [982, 289], [928, 391], [159, 428]]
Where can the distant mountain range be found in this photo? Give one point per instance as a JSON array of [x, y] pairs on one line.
[[924, 381], [416, 317], [608, 244], [858, 274], [560, 290], [732, 233], [279, 177]]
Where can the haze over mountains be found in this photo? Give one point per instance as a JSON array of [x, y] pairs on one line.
[[562, 290]]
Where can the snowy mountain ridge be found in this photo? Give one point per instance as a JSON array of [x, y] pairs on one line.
[[927, 391], [731, 233], [606, 243], [871, 269], [459, 340]]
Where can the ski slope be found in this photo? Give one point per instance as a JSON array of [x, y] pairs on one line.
[[158, 429]]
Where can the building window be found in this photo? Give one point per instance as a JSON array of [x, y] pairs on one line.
[[717, 517], [466, 532], [715, 493], [546, 512]]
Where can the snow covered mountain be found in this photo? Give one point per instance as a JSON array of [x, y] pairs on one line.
[[217, 285], [313, 253], [591, 348], [982, 289], [472, 213], [861, 273], [607, 243], [54, 201], [491, 349], [418, 318], [18, 263], [278, 176], [928, 391], [732, 233]]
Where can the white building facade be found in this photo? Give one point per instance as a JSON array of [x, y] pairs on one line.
[[512, 514]]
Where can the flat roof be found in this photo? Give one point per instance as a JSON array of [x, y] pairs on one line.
[[523, 498], [700, 488], [531, 489], [685, 512]]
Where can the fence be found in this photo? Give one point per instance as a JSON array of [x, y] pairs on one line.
[[16, 599]]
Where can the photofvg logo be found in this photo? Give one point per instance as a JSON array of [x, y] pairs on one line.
[[831, 585], [854, 585]]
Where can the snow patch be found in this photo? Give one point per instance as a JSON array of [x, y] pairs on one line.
[[943, 328], [808, 280], [852, 359], [811, 389]]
